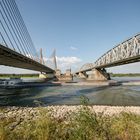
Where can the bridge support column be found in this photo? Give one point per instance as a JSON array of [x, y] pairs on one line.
[[83, 75], [58, 74], [99, 74], [64, 77]]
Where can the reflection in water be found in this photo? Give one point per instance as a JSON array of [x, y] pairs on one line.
[[106, 95]]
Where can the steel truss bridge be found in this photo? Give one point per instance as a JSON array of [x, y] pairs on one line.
[[16, 46], [124, 53]]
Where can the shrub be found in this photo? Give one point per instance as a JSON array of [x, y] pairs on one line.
[[82, 125]]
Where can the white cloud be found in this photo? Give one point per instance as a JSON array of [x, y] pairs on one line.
[[73, 48], [68, 59], [64, 63], [67, 62]]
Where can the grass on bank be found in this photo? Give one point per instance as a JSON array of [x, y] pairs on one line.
[[19, 75], [125, 74], [83, 125]]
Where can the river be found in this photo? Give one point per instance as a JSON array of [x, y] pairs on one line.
[[71, 95]]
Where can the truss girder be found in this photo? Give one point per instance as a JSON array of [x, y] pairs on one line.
[[124, 53], [127, 49]]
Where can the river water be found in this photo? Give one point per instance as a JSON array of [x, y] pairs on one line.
[[71, 95]]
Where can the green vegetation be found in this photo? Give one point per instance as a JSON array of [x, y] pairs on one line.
[[19, 75], [125, 75], [83, 125]]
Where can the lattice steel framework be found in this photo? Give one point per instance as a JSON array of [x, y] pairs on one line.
[[87, 66], [124, 53]]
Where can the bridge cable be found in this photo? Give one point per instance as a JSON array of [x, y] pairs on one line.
[[15, 27], [9, 31], [18, 27], [11, 28], [29, 37], [7, 36], [3, 39]]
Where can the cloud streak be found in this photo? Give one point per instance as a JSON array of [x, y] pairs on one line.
[[64, 63], [73, 48], [68, 62]]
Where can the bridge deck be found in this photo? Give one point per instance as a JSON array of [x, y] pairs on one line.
[[9, 57], [124, 53], [117, 63], [121, 62]]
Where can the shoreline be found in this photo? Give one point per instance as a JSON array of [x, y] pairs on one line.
[[101, 83], [24, 115], [62, 110], [65, 112]]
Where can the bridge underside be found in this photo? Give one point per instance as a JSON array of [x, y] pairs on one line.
[[130, 60], [133, 59], [9, 57]]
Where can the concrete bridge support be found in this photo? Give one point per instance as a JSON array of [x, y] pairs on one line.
[[99, 75], [64, 77], [82, 75]]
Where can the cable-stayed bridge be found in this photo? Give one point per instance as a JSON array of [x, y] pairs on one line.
[[124, 53], [16, 46]]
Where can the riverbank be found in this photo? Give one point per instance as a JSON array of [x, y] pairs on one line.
[[125, 74], [70, 123], [102, 83], [64, 110], [21, 114]]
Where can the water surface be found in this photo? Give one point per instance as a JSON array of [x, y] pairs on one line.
[[71, 95]]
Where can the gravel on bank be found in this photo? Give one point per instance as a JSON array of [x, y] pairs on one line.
[[59, 111], [21, 115]]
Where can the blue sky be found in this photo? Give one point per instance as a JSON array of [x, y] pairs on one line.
[[80, 30]]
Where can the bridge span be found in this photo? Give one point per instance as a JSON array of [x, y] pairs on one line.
[[8, 57], [124, 53], [16, 46]]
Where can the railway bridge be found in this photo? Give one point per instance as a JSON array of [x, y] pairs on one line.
[[124, 53]]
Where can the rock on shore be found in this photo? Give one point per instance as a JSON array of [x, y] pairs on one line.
[[25, 114], [57, 111]]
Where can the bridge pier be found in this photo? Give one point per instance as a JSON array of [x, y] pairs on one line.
[[82, 75], [99, 75], [64, 77]]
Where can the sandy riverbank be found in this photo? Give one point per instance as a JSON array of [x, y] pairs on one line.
[[102, 83]]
